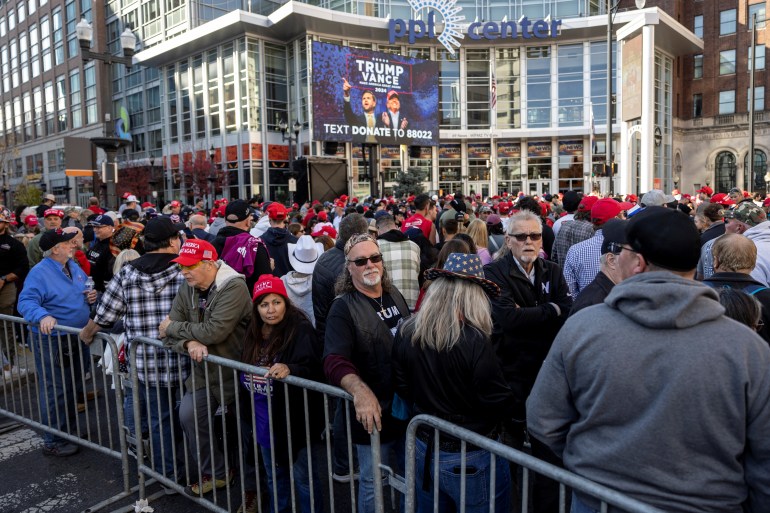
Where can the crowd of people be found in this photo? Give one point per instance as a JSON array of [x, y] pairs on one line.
[[623, 338]]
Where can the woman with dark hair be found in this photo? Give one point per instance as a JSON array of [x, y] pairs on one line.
[[444, 365], [455, 245], [282, 339], [742, 307]]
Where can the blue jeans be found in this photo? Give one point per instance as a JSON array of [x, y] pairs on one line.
[[57, 366], [163, 425], [366, 481], [301, 483], [579, 506], [477, 481]]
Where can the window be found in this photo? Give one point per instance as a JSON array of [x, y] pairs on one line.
[[477, 89], [727, 102], [759, 9], [538, 86], [725, 171], [727, 22], [570, 63], [760, 59], [727, 62], [760, 168], [697, 26], [697, 66], [697, 105], [759, 98]]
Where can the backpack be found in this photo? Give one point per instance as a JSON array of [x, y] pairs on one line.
[[240, 251]]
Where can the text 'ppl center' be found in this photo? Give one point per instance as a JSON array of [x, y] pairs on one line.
[[296, 100]]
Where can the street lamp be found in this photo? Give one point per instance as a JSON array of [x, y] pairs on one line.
[[110, 145], [286, 136], [212, 177]]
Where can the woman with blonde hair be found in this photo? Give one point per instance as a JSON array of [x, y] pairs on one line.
[[477, 230], [444, 365]]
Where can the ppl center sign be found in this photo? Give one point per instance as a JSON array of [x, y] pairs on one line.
[[452, 32]]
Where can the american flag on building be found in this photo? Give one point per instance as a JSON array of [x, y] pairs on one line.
[[493, 92]]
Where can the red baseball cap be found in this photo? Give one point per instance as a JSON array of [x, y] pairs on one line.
[[147, 204], [53, 212], [175, 203], [344, 197], [706, 190], [606, 209], [126, 195], [268, 284], [325, 230], [276, 211], [722, 199], [391, 94], [323, 216], [31, 220], [194, 251], [587, 203]]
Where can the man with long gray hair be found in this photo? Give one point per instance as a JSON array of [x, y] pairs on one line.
[[358, 343]]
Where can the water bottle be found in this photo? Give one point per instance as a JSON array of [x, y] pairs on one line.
[[89, 284]]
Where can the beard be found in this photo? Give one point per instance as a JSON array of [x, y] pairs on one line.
[[371, 279], [528, 258]]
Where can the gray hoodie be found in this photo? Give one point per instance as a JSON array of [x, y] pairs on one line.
[[299, 287], [760, 235], [657, 394]]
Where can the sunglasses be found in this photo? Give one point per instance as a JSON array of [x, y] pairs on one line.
[[521, 237], [360, 262], [189, 267]]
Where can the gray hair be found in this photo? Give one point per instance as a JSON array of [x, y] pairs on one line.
[[519, 217], [123, 258], [448, 306]]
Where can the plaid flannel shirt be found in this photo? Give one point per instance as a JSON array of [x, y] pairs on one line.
[[143, 301], [570, 233], [402, 260], [583, 263]]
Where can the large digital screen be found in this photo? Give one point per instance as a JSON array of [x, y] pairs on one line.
[[369, 97]]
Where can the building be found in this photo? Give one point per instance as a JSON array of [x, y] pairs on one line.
[[213, 81]]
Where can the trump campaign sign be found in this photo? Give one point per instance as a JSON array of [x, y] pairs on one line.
[[369, 97]]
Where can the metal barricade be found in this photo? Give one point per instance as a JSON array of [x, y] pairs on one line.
[[46, 389], [469, 440], [225, 442], [247, 443]]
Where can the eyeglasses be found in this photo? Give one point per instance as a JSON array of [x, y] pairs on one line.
[[360, 262], [521, 237], [189, 267]]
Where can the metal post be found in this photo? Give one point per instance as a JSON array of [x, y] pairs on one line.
[[751, 103], [608, 149]]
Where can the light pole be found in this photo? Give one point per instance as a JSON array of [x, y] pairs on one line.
[[120, 139], [286, 136], [212, 177]]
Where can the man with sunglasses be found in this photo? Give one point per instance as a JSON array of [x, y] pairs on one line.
[[142, 294], [532, 306], [359, 335], [655, 392]]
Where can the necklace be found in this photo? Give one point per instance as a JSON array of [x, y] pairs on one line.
[[379, 303]]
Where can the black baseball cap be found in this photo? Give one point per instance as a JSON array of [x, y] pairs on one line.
[[161, 229], [51, 238], [237, 210]]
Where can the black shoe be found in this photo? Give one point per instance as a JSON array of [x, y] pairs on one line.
[[60, 450]]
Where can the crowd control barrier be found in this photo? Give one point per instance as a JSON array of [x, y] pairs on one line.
[[54, 385], [176, 437]]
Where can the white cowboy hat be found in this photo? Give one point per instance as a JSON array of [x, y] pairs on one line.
[[304, 254]]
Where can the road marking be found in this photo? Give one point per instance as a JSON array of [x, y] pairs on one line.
[[19, 442], [56, 494]]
